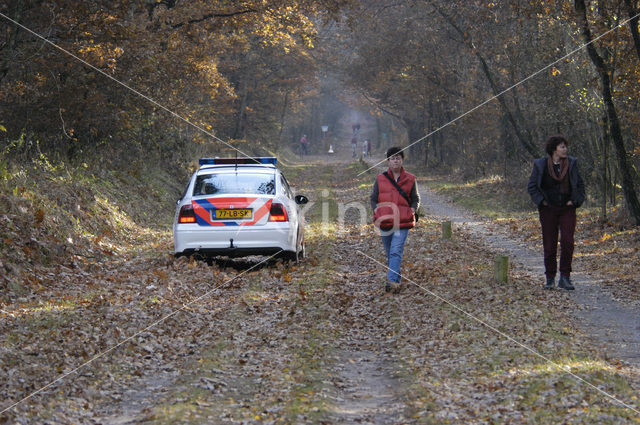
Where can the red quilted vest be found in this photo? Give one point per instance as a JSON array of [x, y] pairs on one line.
[[393, 210]]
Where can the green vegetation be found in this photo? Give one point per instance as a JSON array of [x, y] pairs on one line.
[[498, 199]]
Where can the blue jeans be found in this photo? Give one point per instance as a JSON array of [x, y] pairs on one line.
[[393, 242]]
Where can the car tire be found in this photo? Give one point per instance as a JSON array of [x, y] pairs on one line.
[[291, 257], [294, 256]]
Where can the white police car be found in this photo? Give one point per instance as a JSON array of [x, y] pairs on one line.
[[239, 207]]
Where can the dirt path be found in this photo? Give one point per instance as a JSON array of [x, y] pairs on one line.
[[614, 325], [366, 388], [356, 366], [359, 376], [319, 342]]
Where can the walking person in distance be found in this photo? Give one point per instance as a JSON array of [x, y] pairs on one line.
[[394, 200], [303, 145], [557, 189]]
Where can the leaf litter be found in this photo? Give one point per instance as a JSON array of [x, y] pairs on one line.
[[319, 342]]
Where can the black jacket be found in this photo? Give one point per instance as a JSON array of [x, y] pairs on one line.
[[535, 182]]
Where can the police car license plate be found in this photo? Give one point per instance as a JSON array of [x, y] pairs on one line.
[[231, 214]]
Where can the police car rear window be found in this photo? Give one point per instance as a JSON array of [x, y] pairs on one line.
[[234, 183]]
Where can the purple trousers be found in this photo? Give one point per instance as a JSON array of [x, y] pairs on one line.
[[552, 220]]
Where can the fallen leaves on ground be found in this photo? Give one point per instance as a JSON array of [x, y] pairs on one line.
[[280, 343], [608, 247]]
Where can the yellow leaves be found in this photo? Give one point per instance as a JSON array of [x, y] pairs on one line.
[[101, 54], [208, 70], [285, 26], [555, 71], [40, 79]]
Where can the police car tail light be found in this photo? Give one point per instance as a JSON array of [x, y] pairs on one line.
[[278, 212], [187, 215]]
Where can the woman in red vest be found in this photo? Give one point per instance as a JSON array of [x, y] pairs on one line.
[[394, 200]]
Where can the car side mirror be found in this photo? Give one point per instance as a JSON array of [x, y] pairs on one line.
[[301, 199]]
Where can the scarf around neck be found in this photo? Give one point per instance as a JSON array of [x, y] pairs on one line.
[[563, 178]]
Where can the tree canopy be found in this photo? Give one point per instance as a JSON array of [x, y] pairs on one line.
[[487, 81]]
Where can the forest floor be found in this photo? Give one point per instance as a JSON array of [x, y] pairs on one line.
[[128, 334]]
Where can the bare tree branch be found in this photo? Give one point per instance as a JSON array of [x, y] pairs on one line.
[[212, 16]]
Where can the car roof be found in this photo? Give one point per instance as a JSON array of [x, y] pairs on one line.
[[267, 169]]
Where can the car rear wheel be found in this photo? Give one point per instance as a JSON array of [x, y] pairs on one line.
[[291, 257], [294, 256], [303, 251]]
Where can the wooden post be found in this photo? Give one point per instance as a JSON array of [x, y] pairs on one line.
[[501, 268], [446, 230]]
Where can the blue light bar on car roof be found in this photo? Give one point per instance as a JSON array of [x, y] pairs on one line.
[[256, 160]]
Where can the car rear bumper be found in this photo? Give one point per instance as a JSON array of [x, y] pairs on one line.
[[233, 241], [229, 252]]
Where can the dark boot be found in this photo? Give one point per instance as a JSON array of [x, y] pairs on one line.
[[551, 283], [565, 283], [395, 287]]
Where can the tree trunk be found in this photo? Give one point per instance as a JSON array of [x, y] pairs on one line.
[[7, 52], [285, 105], [239, 129], [415, 131], [630, 196], [605, 178], [633, 25], [522, 134]]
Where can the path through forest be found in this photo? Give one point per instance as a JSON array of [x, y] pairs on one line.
[[615, 325], [320, 342]]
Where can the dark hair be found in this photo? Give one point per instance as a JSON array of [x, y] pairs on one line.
[[395, 151], [552, 143]]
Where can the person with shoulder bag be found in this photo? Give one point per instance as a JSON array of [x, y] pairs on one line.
[[557, 189], [395, 201]]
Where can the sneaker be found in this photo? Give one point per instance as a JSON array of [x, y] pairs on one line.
[[551, 283], [565, 283]]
